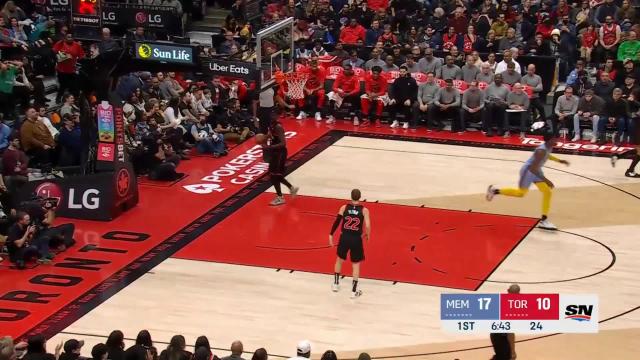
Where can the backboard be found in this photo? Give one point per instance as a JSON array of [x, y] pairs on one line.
[[275, 50]]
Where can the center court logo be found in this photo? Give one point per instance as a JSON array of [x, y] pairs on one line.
[[145, 51]]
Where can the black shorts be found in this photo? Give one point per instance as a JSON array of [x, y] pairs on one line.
[[352, 245], [277, 162]]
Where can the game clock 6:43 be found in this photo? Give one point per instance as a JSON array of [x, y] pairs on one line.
[[500, 326]]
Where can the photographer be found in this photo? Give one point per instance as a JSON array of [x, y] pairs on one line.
[[23, 245], [234, 124], [42, 211]]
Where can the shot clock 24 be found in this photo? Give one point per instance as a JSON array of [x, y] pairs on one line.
[[519, 313]]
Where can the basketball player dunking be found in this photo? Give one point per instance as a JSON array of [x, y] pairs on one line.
[[277, 149], [353, 216]]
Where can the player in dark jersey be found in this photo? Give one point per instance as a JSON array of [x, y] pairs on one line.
[[352, 218], [276, 148]]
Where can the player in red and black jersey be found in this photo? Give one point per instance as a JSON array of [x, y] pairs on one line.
[[353, 219], [375, 87], [313, 91], [276, 148]]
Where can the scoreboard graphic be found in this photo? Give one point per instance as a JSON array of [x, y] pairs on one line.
[[519, 313]]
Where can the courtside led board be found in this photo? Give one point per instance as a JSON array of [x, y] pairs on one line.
[[519, 313]]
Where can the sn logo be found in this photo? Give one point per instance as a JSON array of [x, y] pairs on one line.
[[579, 312], [59, 2]]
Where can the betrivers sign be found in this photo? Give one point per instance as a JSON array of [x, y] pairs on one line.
[[164, 53]]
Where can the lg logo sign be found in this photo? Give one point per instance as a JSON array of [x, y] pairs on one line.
[[142, 18], [109, 16], [59, 2], [90, 199]]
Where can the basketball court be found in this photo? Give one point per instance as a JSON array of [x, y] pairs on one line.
[[206, 255], [244, 270]]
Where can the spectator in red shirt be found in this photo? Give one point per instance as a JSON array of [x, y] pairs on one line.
[[375, 87], [345, 88], [67, 53], [458, 21], [352, 33]]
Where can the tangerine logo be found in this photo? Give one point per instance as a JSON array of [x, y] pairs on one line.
[[141, 17], [145, 51]]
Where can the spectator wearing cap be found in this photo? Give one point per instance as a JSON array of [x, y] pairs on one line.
[[36, 138], [72, 349], [616, 113], [472, 105], [449, 71], [590, 108], [236, 351], [303, 351], [630, 47], [115, 345], [352, 33], [629, 69], [629, 86], [446, 105], [574, 75]]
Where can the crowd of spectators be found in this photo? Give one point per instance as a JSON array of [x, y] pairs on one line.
[[473, 44], [35, 348]]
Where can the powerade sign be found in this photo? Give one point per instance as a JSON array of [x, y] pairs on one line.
[[164, 53]]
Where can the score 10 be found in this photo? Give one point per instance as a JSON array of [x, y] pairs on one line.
[[529, 306]]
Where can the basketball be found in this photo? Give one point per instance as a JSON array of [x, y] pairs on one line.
[[261, 139]]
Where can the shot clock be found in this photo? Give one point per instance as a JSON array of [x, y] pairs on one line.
[[519, 313]]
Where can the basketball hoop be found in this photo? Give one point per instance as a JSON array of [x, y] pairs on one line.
[[295, 83]]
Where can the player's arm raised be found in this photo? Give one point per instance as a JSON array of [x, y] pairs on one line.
[[336, 223], [279, 132], [367, 223]]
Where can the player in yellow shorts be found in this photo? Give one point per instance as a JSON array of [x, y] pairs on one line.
[[531, 172]]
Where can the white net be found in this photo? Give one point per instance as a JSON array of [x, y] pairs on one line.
[[295, 86]]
